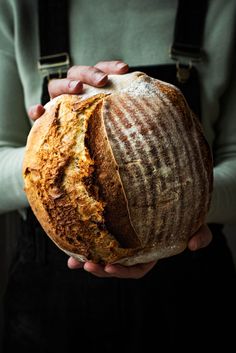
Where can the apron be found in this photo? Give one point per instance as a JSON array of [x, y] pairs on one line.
[[185, 301]]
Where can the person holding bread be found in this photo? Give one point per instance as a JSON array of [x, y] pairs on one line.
[[55, 301]]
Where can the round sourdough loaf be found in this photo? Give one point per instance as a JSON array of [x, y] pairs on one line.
[[121, 174]]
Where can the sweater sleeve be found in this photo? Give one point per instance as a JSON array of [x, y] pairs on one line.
[[223, 205], [14, 122]]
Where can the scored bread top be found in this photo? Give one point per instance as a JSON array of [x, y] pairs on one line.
[[121, 173]]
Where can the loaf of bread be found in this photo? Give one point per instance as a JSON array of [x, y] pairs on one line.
[[121, 174]]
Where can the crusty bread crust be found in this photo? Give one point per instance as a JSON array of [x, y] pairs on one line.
[[119, 174], [109, 183]]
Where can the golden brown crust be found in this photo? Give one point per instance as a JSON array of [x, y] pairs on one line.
[[56, 172], [109, 183], [121, 174]]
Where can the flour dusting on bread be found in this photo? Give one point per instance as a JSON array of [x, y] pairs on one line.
[[119, 174]]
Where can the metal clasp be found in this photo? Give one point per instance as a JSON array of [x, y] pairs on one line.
[[184, 62], [183, 71], [56, 64]]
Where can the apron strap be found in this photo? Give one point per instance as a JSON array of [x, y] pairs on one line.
[[54, 58], [188, 36]]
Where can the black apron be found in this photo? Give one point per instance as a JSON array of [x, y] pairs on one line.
[[185, 302]]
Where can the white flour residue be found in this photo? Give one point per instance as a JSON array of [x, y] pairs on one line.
[[141, 88]]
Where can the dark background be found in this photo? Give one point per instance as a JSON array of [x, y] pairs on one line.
[[8, 227]]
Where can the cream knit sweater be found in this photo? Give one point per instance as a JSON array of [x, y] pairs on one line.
[[140, 33]]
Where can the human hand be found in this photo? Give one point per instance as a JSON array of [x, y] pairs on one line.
[[114, 270], [96, 76], [200, 239]]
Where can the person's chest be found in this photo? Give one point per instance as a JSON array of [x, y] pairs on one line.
[[137, 32]]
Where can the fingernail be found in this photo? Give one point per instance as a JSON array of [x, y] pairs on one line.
[[121, 66], [100, 77], [74, 84], [87, 267], [109, 269], [194, 246], [36, 111]]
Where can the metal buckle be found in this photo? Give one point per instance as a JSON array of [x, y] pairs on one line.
[[56, 64], [183, 71], [184, 62], [182, 55]]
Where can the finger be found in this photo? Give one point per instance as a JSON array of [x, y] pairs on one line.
[[36, 111], [88, 74], [135, 272], [200, 239], [96, 269], [113, 67], [74, 264], [64, 85]]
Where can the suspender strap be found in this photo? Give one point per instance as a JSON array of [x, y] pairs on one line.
[[188, 36], [54, 58], [189, 29], [53, 20]]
